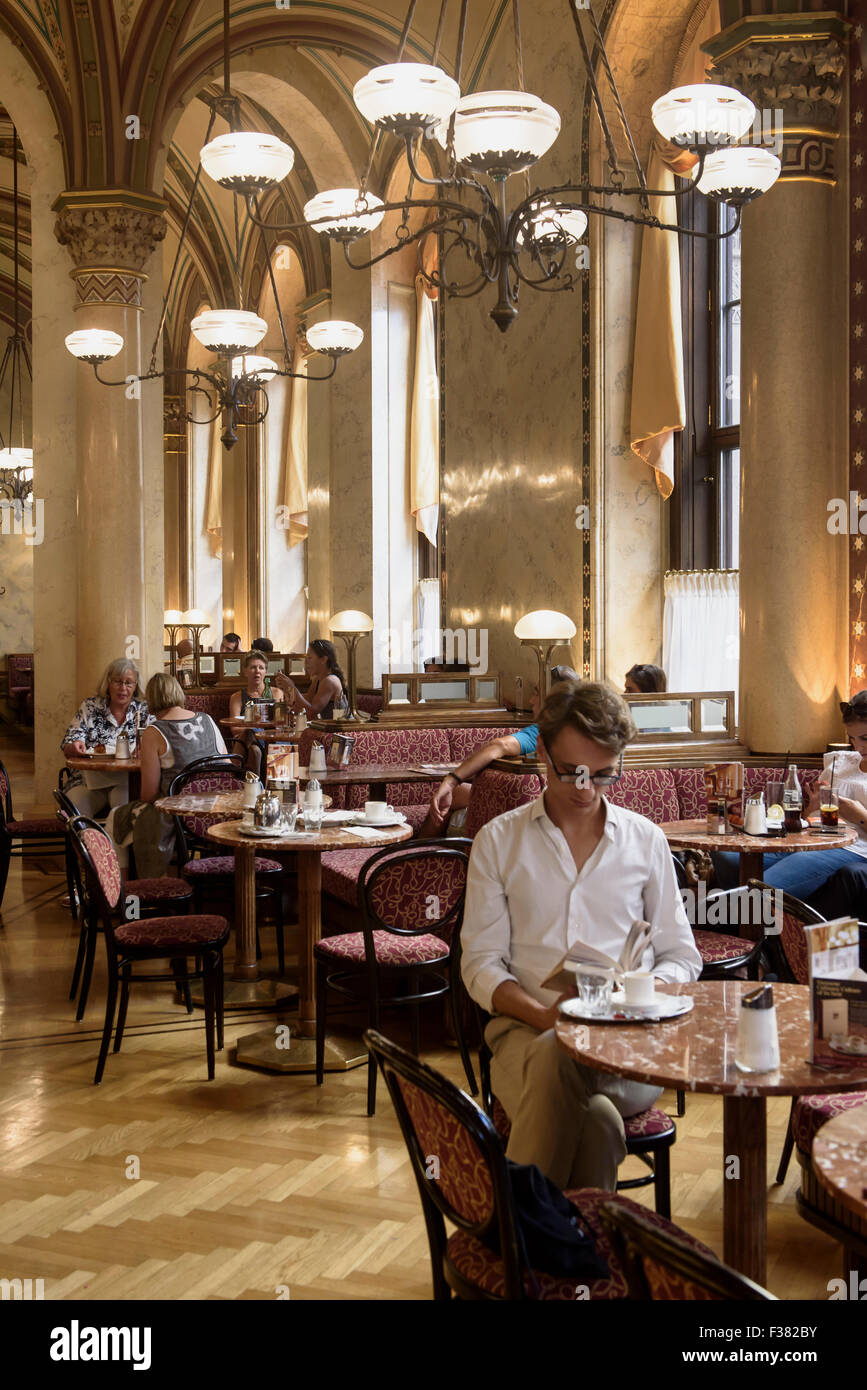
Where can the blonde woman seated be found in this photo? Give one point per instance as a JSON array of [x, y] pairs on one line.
[[177, 737], [114, 710]]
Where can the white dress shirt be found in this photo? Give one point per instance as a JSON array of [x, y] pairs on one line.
[[527, 904]]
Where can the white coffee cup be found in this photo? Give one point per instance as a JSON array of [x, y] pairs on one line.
[[376, 810], [639, 986]]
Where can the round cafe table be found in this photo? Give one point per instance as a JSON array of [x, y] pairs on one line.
[[697, 1053], [107, 762], [840, 1158], [265, 730], [269, 1049]]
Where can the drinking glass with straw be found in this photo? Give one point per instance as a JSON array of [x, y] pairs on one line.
[[828, 807]]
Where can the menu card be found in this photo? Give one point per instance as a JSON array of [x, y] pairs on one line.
[[838, 995], [340, 750], [725, 781], [281, 762]]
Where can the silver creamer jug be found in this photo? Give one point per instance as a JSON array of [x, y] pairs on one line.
[[266, 812]]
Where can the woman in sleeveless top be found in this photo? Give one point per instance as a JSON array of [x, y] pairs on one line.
[[177, 738], [327, 690]]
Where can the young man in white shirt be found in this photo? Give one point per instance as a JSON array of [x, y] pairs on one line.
[[566, 868]]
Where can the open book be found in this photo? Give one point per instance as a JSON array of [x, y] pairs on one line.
[[636, 943]]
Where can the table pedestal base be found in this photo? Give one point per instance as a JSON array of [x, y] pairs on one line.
[[245, 994], [264, 1049], [745, 1185]]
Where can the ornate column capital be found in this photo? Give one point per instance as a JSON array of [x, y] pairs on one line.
[[111, 234], [794, 64]]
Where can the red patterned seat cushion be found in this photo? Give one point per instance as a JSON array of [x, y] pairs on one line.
[[689, 785], [157, 889], [390, 949], [218, 864], [170, 933], [38, 825], [481, 1267], [104, 858], [397, 747], [463, 742], [340, 870], [408, 889], [811, 1112], [494, 793], [793, 940], [212, 702], [715, 947], [649, 791], [648, 1124]]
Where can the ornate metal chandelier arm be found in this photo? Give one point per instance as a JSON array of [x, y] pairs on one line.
[[286, 350], [199, 373], [613, 162], [636, 162], [538, 196], [327, 377], [457, 181], [438, 224]]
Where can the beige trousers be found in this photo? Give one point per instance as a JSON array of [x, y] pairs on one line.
[[566, 1118]]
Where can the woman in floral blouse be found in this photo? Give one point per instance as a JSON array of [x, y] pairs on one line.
[[99, 721]]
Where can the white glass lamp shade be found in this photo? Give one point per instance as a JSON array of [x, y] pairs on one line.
[[173, 617], [553, 223], [350, 620], [259, 368], [544, 625], [94, 344], [246, 161], [406, 96], [501, 133], [349, 215], [334, 337], [702, 115], [17, 458], [194, 617], [738, 175], [229, 331]]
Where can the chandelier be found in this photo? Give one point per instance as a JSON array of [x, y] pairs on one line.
[[484, 237], [245, 163], [16, 461]]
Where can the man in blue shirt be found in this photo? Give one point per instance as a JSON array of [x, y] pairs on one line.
[[453, 793]]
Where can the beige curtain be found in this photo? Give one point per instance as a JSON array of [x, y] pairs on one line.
[[214, 489], [658, 409], [424, 437], [295, 482]]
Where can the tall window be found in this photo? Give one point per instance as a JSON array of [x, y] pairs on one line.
[[706, 503]]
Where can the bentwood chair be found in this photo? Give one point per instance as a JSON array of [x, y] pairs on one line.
[[660, 1264], [412, 903], [34, 837], [211, 875], [128, 944], [462, 1176]]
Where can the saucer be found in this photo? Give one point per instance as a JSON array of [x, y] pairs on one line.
[[666, 1006], [394, 819]]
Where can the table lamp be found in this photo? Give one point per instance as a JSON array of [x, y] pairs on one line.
[[544, 630], [173, 618], [195, 621], [350, 624]]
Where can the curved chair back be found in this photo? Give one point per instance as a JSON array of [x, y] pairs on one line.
[[99, 860], [659, 1265], [787, 952], [415, 888], [5, 795], [204, 777], [457, 1158]]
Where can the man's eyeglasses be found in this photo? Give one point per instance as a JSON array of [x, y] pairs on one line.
[[579, 775]]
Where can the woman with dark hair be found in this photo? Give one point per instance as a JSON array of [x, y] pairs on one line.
[[644, 680], [327, 690]]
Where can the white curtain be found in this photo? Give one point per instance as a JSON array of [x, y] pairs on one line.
[[700, 630], [424, 438], [428, 595]]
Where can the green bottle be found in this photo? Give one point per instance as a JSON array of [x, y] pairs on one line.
[[267, 695]]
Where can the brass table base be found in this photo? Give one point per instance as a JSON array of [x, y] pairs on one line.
[[342, 1052], [246, 994]]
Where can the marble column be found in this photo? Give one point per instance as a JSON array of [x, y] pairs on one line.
[[793, 573], [111, 236], [319, 604]]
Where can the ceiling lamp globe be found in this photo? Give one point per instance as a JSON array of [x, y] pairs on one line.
[[259, 369], [349, 214], [549, 222], [94, 344], [19, 459], [229, 331], [335, 337], [402, 97], [736, 176], [703, 115], [247, 161], [501, 133]]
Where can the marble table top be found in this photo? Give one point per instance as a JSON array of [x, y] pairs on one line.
[[229, 833], [227, 804], [696, 1052], [104, 762], [693, 834], [840, 1158]]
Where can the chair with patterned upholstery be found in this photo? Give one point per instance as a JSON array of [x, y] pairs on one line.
[[211, 875], [723, 954], [142, 897], [662, 1265], [175, 939], [787, 958], [468, 1185], [32, 838], [412, 902]]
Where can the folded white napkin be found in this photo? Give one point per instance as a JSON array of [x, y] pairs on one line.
[[364, 832]]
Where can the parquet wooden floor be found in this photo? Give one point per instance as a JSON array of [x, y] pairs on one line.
[[253, 1183]]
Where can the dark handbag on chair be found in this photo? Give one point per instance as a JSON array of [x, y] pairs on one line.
[[549, 1234]]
